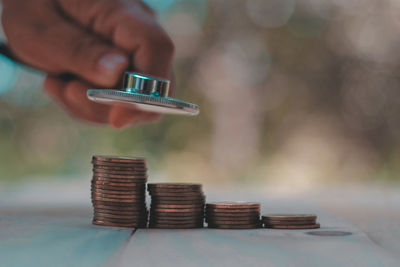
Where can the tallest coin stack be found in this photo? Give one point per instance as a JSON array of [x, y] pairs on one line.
[[119, 191]]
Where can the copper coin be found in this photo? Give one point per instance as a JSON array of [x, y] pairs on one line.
[[174, 215], [178, 202], [174, 185], [137, 183], [184, 194], [114, 184], [241, 226], [132, 212], [116, 220], [176, 226], [176, 219], [117, 192], [133, 224], [234, 216], [119, 172], [116, 165], [118, 159], [119, 212], [121, 180], [120, 176], [242, 220], [116, 203], [120, 187], [140, 168], [212, 211], [309, 226], [289, 217], [306, 222], [178, 210], [173, 191], [118, 184], [177, 206], [169, 218], [118, 216], [177, 198], [133, 196], [233, 222], [128, 189], [233, 205], [119, 200], [105, 223]]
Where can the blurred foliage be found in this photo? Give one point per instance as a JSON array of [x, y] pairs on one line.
[[292, 92]]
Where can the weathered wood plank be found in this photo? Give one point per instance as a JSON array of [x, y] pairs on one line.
[[56, 240]]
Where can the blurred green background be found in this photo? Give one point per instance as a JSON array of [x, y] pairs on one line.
[[294, 93]]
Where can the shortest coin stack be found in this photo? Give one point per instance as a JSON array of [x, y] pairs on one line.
[[176, 205], [119, 191], [290, 221], [233, 215]]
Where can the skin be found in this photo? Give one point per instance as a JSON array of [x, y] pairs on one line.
[[95, 41]]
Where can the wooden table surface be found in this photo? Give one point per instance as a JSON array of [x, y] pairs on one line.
[[50, 225]]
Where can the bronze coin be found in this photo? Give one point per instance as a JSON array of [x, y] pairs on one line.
[[176, 226], [119, 220], [240, 219], [118, 216], [133, 223], [178, 210], [141, 168], [177, 206], [114, 184], [185, 194], [127, 193], [117, 210], [122, 165], [116, 203], [133, 196], [105, 223], [118, 159], [174, 185], [177, 198], [241, 226], [233, 222], [139, 181], [120, 176], [290, 227], [307, 222], [119, 200], [176, 219], [289, 217], [119, 172], [128, 189], [141, 212], [234, 216], [175, 215], [174, 191], [230, 210], [234, 205], [178, 202]]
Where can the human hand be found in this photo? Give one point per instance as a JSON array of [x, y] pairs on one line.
[[95, 41]]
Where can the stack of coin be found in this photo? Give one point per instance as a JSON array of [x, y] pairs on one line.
[[290, 221], [119, 191], [233, 215], [176, 205]]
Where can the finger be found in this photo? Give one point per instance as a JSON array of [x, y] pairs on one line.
[[54, 44], [130, 28], [72, 96]]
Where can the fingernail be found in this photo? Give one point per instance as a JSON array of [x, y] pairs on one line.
[[111, 62]]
